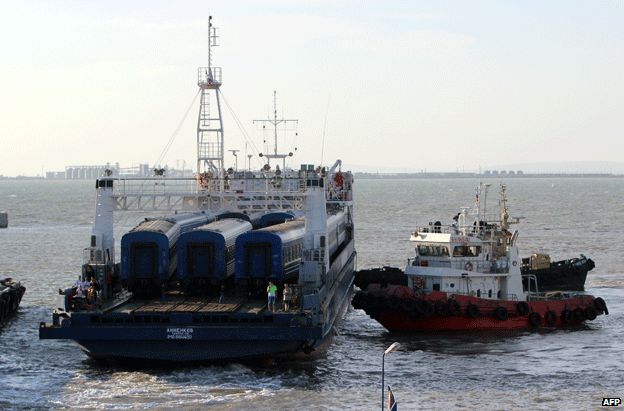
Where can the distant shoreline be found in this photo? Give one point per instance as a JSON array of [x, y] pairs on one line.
[[385, 176]]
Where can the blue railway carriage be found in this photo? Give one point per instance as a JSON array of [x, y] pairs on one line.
[[149, 252], [336, 232], [275, 217], [271, 253], [206, 254]]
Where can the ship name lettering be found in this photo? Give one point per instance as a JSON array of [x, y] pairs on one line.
[[179, 333]]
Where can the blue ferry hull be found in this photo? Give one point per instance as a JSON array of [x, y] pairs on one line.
[[184, 338]]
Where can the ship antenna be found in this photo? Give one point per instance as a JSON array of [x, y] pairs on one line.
[[275, 122], [209, 50], [324, 128]]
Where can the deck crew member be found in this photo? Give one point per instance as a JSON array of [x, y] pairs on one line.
[[287, 297], [272, 292]]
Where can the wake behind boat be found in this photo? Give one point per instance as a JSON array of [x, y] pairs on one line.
[[466, 276]]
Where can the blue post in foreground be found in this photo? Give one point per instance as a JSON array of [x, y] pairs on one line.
[[395, 346]]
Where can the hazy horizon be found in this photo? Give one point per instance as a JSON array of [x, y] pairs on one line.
[[436, 86]]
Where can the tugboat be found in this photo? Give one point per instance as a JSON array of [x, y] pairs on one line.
[[192, 285], [11, 293], [559, 275], [466, 276]]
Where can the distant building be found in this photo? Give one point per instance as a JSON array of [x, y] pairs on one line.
[[92, 172]]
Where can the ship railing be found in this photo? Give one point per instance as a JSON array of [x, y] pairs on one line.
[[191, 185], [158, 193], [455, 229], [208, 76], [92, 255], [314, 254], [531, 281]]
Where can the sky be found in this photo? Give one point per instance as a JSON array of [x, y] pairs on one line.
[[385, 85]]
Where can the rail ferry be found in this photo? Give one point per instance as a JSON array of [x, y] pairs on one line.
[[191, 283], [466, 276]]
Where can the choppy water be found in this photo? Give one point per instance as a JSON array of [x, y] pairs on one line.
[[50, 225]]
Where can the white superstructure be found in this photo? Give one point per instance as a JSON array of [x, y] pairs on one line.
[[472, 256]]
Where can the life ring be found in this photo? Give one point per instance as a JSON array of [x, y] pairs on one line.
[[551, 318], [566, 316], [500, 313], [472, 310], [468, 266], [514, 263], [453, 307], [338, 179], [419, 282], [601, 305], [535, 319], [590, 313], [522, 308], [579, 314]]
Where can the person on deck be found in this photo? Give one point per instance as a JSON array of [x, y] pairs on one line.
[[287, 297], [272, 292], [222, 294]]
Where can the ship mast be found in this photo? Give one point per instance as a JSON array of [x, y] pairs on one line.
[[210, 125], [275, 122]]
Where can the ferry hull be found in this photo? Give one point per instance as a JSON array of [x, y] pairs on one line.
[[290, 334]]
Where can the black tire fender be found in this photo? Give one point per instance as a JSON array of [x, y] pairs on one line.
[[472, 311], [501, 313], [601, 305], [551, 318], [567, 316], [522, 308], [535, 319], [590, 313], [441, 308], [453, 307]]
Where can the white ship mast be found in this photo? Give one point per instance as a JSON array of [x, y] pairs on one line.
[[275, 122], [210, 125]]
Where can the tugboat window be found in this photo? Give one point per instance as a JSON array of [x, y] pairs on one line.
[[466, 251], [432, 251], [436, 287]]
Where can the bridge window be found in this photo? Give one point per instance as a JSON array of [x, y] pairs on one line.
[[432, 250], [466, 251]]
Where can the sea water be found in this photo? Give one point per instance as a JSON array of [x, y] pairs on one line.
[[561, 369]]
